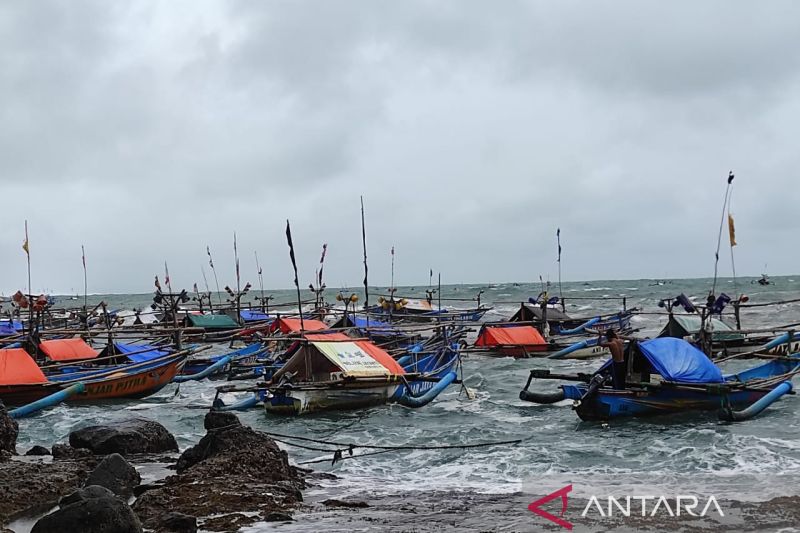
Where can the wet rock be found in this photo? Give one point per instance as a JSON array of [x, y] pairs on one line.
[[87, 493], [277, 516], [220, 419], [345, 504], [141, 489], [92, 510], [65, 451], [9, 429], [177, 523], [35, 487], [234, 474], [115, 474], [38, 450], [136, 435]]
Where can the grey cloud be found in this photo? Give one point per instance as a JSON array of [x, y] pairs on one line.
[[473, 130]]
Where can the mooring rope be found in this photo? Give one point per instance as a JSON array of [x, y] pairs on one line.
[[341, 447]]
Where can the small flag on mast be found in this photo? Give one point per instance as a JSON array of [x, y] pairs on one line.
[[236, 255], [731, 230], [25, 244], [210, 261], [558, 238], [291, 252], [83, 256], [322, 264]]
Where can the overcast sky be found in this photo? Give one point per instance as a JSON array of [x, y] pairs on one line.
[[148, 130]]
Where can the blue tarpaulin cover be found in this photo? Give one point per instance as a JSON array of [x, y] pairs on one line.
[[383, 328], [8, 327], [151, 353], [254, 316], [677, 360]]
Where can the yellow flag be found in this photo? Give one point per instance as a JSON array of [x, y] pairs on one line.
[[25, 244], [731, 230]]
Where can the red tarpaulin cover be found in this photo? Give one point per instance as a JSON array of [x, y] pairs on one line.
[[510, 336], [17, 367], [68, 350]]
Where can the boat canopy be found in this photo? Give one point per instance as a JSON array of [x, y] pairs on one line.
[[212, 321], [139, 353], [248, 315], [335, 353], [510, 335], [10, 327], [292, 325], [677, 360], [67, 350], [17, 368], [685, 325], [532, 313], [360, 322]]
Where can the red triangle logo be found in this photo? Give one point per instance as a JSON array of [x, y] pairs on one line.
[[562, 493]]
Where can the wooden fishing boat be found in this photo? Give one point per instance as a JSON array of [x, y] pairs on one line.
[[560, 323], [509, 339], [330, 371], [23, 382], [668, 375], [413, 310]]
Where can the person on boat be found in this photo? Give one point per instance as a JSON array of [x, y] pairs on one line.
[[617, 349]]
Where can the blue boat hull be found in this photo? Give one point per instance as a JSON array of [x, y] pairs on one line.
[[607, 403]]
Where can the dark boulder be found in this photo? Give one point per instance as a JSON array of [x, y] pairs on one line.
[[115, 474], [9, 429], [136, 435], [177, 523], [90, 510], [230, 442], [87, 493], [277, 516], [220, 419], [231, 477], [38, 450], [65, 451], [345, 504]]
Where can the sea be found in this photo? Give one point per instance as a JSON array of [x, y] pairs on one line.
[[754, 460]]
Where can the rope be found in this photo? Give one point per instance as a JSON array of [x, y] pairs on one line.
[[719, 237], [341, 448]]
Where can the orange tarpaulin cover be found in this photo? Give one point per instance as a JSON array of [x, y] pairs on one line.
[[68, 350], [322, 337], [381, 356], [386, 360], [510, 336], [292, 325], [17, 367]]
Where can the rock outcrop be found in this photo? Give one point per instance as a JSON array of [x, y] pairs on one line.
[[235, 474], [133, 436], [91, 510]]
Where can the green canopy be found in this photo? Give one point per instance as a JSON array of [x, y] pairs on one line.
[[212, 321]]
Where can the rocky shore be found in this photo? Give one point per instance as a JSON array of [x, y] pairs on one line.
[[233, 477]]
